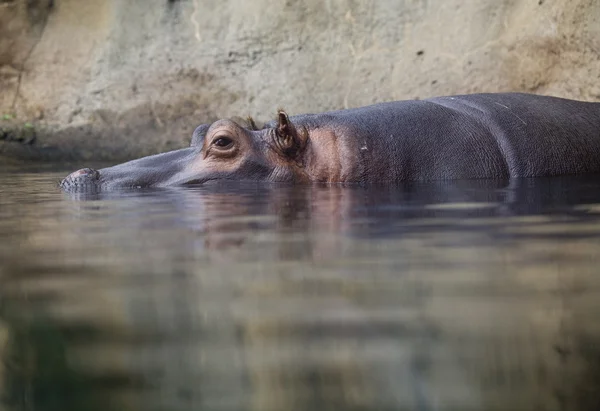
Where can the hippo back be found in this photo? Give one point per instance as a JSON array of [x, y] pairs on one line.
[[469, 136]]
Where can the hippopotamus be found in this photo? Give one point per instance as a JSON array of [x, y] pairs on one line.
[[475, 136]]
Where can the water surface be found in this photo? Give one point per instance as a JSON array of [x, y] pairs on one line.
[[480, 295]]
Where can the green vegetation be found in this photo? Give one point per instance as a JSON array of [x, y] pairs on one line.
[[25, 133]]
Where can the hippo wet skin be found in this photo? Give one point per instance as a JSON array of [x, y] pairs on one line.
[[462, 137]]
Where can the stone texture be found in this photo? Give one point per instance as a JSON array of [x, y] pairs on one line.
[[116, 79]]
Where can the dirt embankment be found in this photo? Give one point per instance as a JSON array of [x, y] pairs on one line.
[[116, 79]]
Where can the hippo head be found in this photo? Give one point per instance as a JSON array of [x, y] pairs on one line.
[[224, 150]]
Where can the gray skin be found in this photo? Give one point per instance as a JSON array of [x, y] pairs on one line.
[[477, 136]]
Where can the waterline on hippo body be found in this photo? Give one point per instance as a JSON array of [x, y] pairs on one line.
[[462, 137]]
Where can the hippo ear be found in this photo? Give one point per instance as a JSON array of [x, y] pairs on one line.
[[254, 124], [247, 122], [287, 139], [199, 134]]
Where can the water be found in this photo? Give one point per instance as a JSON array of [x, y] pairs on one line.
[[451, 296]]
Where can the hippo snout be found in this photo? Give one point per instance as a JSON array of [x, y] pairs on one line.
[[81, 179]]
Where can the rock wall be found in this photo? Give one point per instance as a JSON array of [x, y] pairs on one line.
[[115, 79]]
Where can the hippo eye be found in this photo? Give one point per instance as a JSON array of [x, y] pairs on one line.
[[223, 142]]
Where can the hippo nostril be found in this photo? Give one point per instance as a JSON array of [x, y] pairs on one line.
[[85, 174], [81, 178]]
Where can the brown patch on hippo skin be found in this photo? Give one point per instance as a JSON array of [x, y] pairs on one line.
[[329, 159], [323, 160], [312, 153]]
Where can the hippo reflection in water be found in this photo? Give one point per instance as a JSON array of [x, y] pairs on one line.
[[475, 136]]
